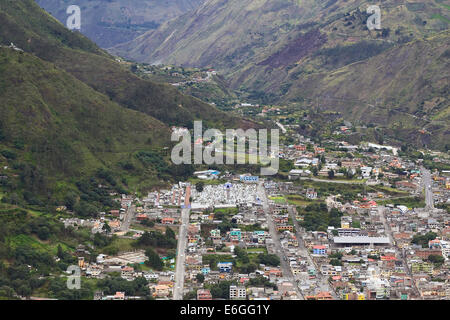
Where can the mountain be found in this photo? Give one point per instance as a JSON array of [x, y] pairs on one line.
[[62, 125], [282, 51], [109, 23], [404, 89], [223, 33], [36, 32], [70, 112], [234, 36]]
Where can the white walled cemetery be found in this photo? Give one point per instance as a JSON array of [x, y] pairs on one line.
[[224, 195]]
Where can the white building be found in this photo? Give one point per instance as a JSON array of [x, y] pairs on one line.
[[238, 292]]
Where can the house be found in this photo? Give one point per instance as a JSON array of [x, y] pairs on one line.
[[127, 272], [168, 220], [114, 213], [206, 269], [119, 296], [365, 171], [300, 147], [319, 250], [235, 235], [273, 272], [238, 292], [311, 193], [296, 173], [285, 227], [162, 290], [420, 266], [204, 294], [325, 295], [214, 234], [141, 217], [225, 266]]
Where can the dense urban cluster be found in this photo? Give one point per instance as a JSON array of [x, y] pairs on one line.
[[340, 221]]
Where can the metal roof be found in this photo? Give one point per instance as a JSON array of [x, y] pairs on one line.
[[362, 239]]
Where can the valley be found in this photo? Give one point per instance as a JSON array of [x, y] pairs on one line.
[[315, 150]]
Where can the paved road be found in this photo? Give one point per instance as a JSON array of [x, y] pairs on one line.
[[285, 268], [426, 176], [387, 229], [129, 214], [321, 280], [332, 181], [401, 252], [181, 256]]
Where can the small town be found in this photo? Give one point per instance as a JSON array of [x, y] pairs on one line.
[[345, 222], [253, 155]]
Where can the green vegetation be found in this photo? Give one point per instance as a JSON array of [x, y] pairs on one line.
[[33, 240], [137, 287], [71, 112], [410, 202], [220, 290], [269, 259], [213, 259], [436, 259], [154, 261], [423, 239], [316, 217], [156, 239], [315, 48]]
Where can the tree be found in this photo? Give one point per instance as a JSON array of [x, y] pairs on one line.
[[60, 253], [43, 233], [191, 295], [199, 186], [336, 262], [200, 277], [423, 239], [331, 174], [269, 259], [170, 233], [436, 259], [148, 223], [106, 227], [70, 200], [154, 261], [24, 290], [241, 255], [323, 159], [85, 209]]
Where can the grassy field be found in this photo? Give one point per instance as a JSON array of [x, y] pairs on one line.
[[278, 199], [410, 202], [228, 211], [193, 181], [33, 242], [298, 200], [121, 245]]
